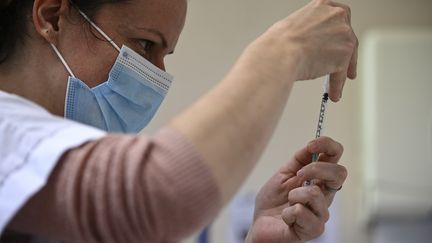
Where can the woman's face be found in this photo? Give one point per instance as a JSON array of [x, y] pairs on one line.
[[149, 27]]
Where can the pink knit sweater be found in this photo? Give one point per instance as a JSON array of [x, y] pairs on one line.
[[127, 189]]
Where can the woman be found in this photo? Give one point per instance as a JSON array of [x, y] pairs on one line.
[[67, 179]]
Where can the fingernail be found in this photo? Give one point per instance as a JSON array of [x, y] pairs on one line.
[[300, 173], [313, 146], [335, 99]]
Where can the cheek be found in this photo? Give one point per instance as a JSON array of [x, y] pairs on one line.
[[160, 63], [93, 61], [97, 70], [89, 58], [97, 75]]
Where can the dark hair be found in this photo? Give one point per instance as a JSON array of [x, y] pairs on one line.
[[16, 14]]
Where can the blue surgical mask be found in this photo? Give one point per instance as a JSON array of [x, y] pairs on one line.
[[127, 101]]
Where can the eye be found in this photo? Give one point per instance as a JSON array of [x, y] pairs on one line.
[[146, 44]]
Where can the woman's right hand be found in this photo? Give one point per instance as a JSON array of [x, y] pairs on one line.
[[232, 124], [314, 41]]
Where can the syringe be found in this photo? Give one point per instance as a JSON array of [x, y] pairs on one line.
[[321, 118]]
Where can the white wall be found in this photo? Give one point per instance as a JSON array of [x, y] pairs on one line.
[[215, 34]]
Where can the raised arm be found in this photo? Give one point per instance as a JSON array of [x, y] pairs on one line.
[[233, 123]]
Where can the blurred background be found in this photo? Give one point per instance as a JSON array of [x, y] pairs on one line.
[[384, 119]]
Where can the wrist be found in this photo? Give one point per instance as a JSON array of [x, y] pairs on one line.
[[273, 61]]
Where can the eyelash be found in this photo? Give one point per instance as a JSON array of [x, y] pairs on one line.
[[147, 45]]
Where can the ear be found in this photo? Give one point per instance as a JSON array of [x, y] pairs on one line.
[[46, 17]]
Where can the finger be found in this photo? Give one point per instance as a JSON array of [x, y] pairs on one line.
[[301, 158], [333, 175], [345, 7], [306, 224], [338, 79], [330, 150], [313, 197], [352, 69], [337, 82]]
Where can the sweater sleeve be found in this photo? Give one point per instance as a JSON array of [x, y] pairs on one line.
[[125, 189]]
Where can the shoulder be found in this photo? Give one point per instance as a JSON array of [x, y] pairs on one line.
[[23, 121], [19, 114], [32, 141], [14, 104], [26, 126]]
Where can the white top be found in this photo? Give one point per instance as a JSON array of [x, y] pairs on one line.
[[31, 142]]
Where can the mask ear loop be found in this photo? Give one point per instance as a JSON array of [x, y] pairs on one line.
[[69, 71], [62, 60], [99, 30]]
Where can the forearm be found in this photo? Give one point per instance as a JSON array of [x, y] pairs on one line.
[[233, 123]]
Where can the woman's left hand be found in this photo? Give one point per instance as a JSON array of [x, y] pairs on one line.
[[286, 211]]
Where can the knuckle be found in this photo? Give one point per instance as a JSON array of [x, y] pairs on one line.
[[331, 143], [340, 68], [318, 143], [353, 39], [291, 195], [341, 12], [348, 9], [279, 25], [314, 168], [298, 210], [340, 175], [352, 36], [327, 140], [350, 47], [343, 173], [314, 192], [347, 30]]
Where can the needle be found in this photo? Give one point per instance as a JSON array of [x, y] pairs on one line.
[[321, 118]]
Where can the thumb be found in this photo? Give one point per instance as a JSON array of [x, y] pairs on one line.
[[288, 216], [301, 158]]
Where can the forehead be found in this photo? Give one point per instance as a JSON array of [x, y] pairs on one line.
[[166, 16]]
